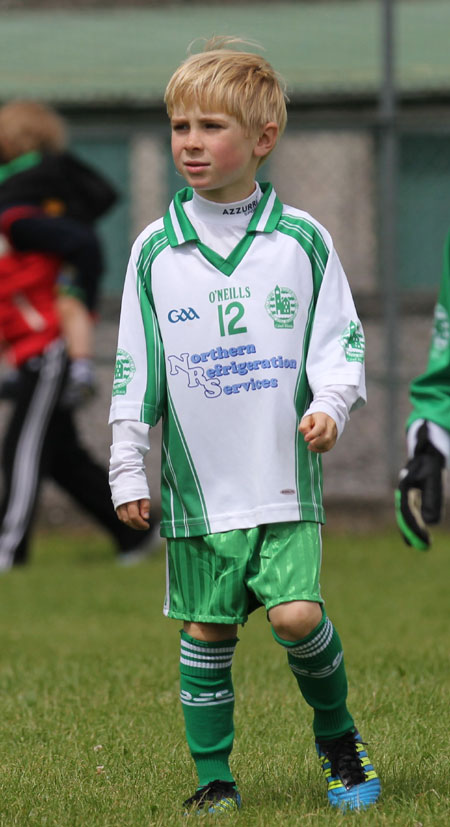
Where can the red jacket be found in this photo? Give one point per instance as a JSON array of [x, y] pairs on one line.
[[28, 313]]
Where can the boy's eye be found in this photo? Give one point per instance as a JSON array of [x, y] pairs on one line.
[[208, 125]]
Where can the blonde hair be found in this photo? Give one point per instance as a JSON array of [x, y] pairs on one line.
[[27, 126], [241, 84]]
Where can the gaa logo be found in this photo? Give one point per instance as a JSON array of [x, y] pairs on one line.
[[123, 372], [182, 315]]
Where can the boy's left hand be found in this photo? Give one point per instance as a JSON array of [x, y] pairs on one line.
[[319, 431]]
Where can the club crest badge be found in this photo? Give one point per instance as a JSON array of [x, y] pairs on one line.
[[352, 341], [441, 332], [123, 372], [282, 306]]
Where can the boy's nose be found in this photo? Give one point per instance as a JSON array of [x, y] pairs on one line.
[[193, 139]]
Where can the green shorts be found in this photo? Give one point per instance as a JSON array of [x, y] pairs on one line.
[[221, 578]]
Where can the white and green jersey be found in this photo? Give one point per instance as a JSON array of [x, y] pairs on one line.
[[229, 351]]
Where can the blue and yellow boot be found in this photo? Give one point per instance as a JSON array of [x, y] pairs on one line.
[[216, 798], [352, 781]]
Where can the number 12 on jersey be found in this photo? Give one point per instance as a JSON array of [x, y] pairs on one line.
[[236, 311]]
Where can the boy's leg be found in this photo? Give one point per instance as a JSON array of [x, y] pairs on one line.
[[316, 660], [318, 664], [207, 698], [206, 589], [288, 584]]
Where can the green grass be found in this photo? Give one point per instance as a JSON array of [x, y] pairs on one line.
[[91, 730]]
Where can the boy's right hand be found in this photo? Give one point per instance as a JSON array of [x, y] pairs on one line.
[[319, 432], [136, 514]]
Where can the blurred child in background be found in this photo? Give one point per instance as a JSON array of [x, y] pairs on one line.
[[50, 266], [49, 201]]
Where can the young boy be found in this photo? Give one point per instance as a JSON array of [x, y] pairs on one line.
[[239, 330]]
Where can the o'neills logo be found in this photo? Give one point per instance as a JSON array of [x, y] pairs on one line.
[[244, 209]]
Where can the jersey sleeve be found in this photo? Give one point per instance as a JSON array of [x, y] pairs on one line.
[[337, 347], [139, 387], [127, 475], [430, 392]]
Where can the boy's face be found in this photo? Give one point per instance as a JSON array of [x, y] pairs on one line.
[[214, 154]]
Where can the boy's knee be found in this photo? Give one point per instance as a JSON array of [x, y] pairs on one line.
[[295, 620]]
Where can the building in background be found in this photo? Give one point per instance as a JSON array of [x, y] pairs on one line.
[[105, 65]]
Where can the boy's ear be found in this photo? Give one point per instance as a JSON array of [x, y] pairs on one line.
[[266, 140]]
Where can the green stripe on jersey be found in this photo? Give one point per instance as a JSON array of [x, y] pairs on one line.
[[183, 505], [153, 404], [310, 238], [309, 485]]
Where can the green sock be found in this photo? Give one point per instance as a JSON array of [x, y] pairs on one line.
[[208, 704], [317, 662]]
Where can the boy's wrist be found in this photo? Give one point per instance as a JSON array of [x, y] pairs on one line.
[[128, 496]]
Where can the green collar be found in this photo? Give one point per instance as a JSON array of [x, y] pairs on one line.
[[180, 230], [20, 164]]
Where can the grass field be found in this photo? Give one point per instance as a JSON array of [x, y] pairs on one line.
[[91, 727]]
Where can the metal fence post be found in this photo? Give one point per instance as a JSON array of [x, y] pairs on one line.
[[388, 162]]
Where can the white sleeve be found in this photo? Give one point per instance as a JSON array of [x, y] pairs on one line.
[[138, 393], [336, 348], [127, 475], [439, 437], [130, 369], [337, 401]]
